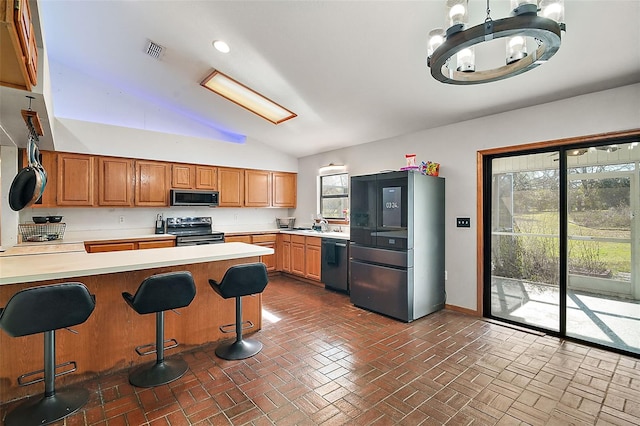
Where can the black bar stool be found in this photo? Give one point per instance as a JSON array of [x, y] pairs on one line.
[[157, 294], [238, 281], [45, 309]]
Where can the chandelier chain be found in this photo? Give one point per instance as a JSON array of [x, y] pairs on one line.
[[488, 13]]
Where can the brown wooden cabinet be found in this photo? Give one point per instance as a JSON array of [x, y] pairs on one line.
[[238, 239], [183, 176], [305, 256], [313, 257], [267, 240], [283, 189], [19, 53], [115, 181], [298, 255], [256, 188], [75, 183], [153, 181], [121, 245], [206, 178], [231, 187], [284, 253]]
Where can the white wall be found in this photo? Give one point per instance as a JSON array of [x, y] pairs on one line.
[[103, 139], [8, 218], [455, 148]]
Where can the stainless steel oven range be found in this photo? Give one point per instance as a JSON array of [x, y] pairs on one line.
[[193, 231]]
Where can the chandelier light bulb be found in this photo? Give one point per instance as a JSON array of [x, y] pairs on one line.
[[466, 60], [457, 13], [516, 48], [552, 9], [436, 38]]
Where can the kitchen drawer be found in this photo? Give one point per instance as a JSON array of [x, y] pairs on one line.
[[285, 237], [238, 239], [264, 238], [314, 241], [300, 239]]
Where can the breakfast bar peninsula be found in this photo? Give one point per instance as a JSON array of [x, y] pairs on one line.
[[106, 341]]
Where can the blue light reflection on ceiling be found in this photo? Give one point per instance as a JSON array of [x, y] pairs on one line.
[[151, 101]]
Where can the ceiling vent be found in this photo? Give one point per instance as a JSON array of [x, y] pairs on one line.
[[154, 50]]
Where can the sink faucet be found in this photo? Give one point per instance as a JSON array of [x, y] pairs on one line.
[[324, 225]]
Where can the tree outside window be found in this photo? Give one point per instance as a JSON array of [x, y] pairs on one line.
[[334, 196]]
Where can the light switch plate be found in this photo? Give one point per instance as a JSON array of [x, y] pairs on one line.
[[463, 222]]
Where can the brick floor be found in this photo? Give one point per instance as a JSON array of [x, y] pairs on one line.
[[327, 362]]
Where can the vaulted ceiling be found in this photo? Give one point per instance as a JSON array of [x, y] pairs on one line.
[[353, 71]]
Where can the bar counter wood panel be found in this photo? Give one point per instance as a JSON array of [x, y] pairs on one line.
[[106, 341]]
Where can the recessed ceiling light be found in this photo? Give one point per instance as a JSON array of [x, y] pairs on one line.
[[221, 46], [242, 95]]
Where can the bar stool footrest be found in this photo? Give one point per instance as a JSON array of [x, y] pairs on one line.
[[239, 349], [48, 409], [227, 328], [174, 344], [21, 381], [159, 373]]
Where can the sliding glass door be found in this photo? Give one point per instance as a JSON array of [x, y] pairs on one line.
[[562, 252], [525, 240]]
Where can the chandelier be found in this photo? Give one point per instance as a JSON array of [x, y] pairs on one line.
[[532, 34]]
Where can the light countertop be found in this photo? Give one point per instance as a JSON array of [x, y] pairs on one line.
[[48, 266], [312, 233]]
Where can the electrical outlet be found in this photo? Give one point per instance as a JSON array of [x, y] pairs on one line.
[[121, 220], [463, 222]]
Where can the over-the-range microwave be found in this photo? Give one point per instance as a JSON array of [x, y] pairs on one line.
[[190, 197]]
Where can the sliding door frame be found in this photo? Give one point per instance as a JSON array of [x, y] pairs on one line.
[[483, 218]]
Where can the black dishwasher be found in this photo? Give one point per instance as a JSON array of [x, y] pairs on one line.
[[335, 264]]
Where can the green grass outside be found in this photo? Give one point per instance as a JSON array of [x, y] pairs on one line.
[[614, 256]]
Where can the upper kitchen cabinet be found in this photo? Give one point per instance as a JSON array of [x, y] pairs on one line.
[[256, 188], [207, 177], [231, 187], [19, 53], [152, 183], [115, 182], [75, 184], [284, 189], [189, 176], [183, 176]]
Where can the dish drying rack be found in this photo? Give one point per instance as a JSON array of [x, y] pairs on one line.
[[33, 232]]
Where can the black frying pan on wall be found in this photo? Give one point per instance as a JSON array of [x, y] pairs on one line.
[[28, 185]]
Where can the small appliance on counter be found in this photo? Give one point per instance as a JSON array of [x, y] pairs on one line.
[[159, 224]]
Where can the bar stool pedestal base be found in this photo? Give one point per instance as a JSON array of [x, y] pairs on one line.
[[240, 349], [159, 373], [48, 409]]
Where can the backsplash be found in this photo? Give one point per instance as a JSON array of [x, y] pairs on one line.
[[143, 219]]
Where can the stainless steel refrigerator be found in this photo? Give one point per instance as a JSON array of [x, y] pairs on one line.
[[397, 244]]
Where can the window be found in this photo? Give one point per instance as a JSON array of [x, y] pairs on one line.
[[334, 196]]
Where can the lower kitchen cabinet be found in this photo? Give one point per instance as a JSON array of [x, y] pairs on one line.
[[297, 255], [267, 240], [305, 257], [313, 258], [264, 240], [120, 245], [284, 253]]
